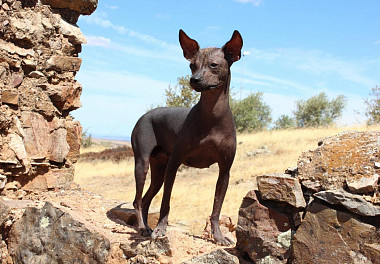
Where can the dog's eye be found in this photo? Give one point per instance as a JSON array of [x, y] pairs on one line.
[[213, 65], [193, 66]]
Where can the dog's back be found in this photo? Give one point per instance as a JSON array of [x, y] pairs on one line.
[[158, 128]]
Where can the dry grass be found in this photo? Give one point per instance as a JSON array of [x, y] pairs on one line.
[[193, 191]]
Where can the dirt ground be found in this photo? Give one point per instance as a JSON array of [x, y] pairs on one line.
[[94, 211]]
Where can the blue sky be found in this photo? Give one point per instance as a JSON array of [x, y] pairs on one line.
[[297, 49]]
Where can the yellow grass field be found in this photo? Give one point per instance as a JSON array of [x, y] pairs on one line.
[[193, 191]]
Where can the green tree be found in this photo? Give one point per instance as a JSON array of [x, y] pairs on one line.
[[284, 122], [251, 113], [318, 110], [182, 95], [373, 106]]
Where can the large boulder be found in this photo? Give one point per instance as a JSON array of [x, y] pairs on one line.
[[49, 235], [347, 160], [330, 236], [261, 231]]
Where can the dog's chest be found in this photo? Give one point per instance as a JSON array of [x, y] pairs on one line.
[[207, 152]]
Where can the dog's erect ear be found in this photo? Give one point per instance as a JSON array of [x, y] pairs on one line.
[[189, 46], [232, 49]]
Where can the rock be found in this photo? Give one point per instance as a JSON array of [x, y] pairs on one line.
[[17, 80], [65, 97], [259, 229], [5, 258], [3, 181], [347, 157], [9, 97], [330, 236], [31, 27], [85, 7], [219, 256], [74, 136], [72, 32], [363, 184], [37, 133], [281, 188], [58, 148], [45, 139], [260, 151], [63, 63], [4, 211], [52, 179], [292, 171], [36, 74], [372, 251], [13, 49], [17, 145], [149, 248], [50, 235], [354, 203], [226, 225], [126, 213]]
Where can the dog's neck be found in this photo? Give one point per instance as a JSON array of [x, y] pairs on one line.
[[214, 103]]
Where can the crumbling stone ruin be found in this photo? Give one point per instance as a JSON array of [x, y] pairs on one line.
[[39, 47]]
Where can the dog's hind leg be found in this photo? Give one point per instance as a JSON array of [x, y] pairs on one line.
[[143, 142], [157, 167], [141, 169]]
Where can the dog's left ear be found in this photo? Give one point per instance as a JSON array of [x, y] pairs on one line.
[[232, 49]]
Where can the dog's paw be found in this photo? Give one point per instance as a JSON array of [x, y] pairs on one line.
[[223, 241], [146, 232], [158, 232]]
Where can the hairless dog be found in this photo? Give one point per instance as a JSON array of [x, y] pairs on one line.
[[166, 137]]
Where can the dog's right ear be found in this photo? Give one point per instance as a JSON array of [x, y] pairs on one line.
[[189, 46]]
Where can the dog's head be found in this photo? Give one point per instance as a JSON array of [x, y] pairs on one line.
[[210, 66]]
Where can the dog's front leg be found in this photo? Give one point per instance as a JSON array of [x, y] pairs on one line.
[[171, 171], [220, 193]]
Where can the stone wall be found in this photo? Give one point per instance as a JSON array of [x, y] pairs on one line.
[[39, 47]]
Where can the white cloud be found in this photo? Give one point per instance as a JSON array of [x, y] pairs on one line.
[[278, 82], [122, 97], [163, 16], [100, 19], [113, 7], [254, 2], [98, 41], [316, 62]]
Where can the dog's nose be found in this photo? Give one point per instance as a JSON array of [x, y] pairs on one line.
[[195, 79]]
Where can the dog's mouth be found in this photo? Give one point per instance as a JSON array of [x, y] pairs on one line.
[[199, 88]]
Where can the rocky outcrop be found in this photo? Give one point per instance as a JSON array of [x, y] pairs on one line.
[[339, 204], [39, 47], [75, 226]]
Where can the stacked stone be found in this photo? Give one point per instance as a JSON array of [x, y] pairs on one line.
[[327, 210], [39, 46]]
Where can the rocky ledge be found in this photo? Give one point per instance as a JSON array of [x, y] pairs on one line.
[[325, 211]]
